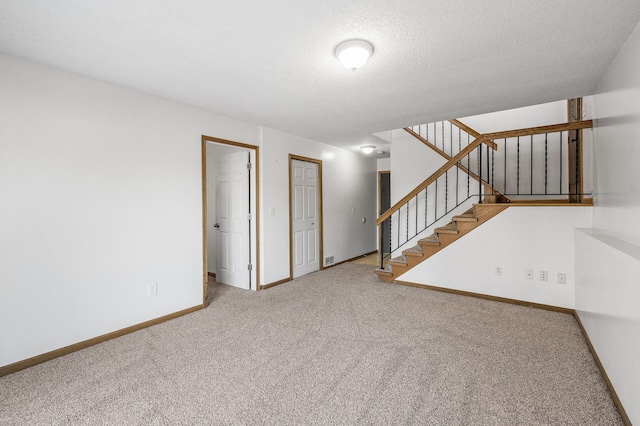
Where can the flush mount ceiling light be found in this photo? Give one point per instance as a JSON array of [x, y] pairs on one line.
[[354, 53], [367, 149]]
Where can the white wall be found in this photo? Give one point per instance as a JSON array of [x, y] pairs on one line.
[[608, 289], [411, 163], [349, 180], [384, 164], [519, 238], [607, 301], [102, 195], [518, 118], [617, 145]]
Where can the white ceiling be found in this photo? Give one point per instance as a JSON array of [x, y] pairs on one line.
[[271, 62]]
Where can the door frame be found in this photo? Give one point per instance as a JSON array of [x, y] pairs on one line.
[[319, 204], [255, 242]]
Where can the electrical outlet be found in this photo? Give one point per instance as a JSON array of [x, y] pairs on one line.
[[562, 278], [528, 273], [544, 276], [152, 290], [498, 271]]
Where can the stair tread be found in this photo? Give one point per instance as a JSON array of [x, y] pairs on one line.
[[431, 240], [464, 219], [413, 251], [449, 228], [399, 259]]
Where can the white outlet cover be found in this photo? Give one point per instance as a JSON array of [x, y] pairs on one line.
[[152, 290]]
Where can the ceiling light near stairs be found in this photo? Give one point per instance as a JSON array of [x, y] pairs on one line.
[[367, 149], [354, 53]]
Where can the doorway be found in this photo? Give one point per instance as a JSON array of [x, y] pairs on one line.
[[384, 203], [305, 216], [230, 213]]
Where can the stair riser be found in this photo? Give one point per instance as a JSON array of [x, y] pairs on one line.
[[424, 244], [400, 269], [447, 238], [464, 227], [385, 278], [429, 251], [413, 261]]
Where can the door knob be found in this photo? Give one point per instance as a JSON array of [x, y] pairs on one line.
[[216, 225]]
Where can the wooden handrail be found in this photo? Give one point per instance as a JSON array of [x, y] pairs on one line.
[[464, 127], [459, 124], [575, 125], [459, 156]]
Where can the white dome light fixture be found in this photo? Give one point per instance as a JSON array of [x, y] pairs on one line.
[[367, 149], [353, 54]]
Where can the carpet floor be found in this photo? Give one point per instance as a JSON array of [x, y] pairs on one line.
[[333, 347]]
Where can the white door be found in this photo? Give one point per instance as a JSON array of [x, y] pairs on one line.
[[232, 220], [304, 216]]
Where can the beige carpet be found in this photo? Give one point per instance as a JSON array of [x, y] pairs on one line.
[[334, 347]]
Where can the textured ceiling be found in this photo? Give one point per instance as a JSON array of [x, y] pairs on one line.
[[271, 62]]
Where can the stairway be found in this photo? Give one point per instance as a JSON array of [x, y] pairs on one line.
[[442, 237]]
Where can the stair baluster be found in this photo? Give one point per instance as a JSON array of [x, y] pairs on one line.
[[484, 172]]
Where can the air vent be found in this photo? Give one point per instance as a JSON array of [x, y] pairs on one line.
[[328, 260]]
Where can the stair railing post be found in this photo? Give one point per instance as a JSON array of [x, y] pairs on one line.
[[480, 173], [380, 243]]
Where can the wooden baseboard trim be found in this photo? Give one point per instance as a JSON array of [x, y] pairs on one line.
[[352, 259], [488, 297], [612, 391], [211, 274], [38, 359], [273, 284]]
